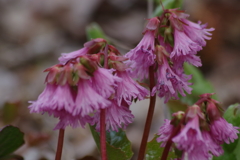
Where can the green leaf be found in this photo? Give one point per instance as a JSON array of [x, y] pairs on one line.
[[237, 149], [200, 85], [12, 157], [176, 105], [226, 156], [232, 114], [167, 4], [118, 145], [154, 151], [94, 31], [11, 138]]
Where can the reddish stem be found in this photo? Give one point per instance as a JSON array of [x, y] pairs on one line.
[[60, 144], [169, 142], [103, 135], [166, 150], [103, 117], [149, 116]]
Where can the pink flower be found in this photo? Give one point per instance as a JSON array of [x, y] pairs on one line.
[[67, 119], [165, 132], [103, 81], [203, 149], [183, 45], [117, 116], [65, 57], [42, 102], [88, 100], [222, 131], [58, 101], [192, 59], [191, 141], [190, 135], [212, 146], [54, 97], [170, 83], [142, 56], [189, 38], [197, 32], [128, 89]]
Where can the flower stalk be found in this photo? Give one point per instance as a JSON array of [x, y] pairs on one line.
[[60, 144], [103, 117], [149, 116], [103, 135]]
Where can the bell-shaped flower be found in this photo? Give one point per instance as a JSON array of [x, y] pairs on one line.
[[165, 132], [128, 89], [88, 100], [197, 32], [142, 56], [103, 81], [54, 97], [58, 100], [67, 119], [170, 82], [117, 116], [222, 131], [183, 45]]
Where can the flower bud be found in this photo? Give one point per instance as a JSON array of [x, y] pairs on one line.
[[88, 64], [95, 46]]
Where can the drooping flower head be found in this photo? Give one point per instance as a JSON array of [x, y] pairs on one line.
[[199, 133], [189, 37], [142, 56], [220, 129], [81, 85], [169, 41], [170, 82]]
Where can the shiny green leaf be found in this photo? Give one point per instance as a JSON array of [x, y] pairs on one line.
[[154, 151], [11, 138]]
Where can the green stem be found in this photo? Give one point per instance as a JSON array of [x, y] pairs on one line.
[[149, 116]]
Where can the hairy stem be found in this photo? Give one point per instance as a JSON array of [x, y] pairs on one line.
[[149, 116], [60, 144]]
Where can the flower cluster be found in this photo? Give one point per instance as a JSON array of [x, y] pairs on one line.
[[169, 41], [81, 85], [199, 132]]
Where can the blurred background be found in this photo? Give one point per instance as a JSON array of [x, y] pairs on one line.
[[33, 34]]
